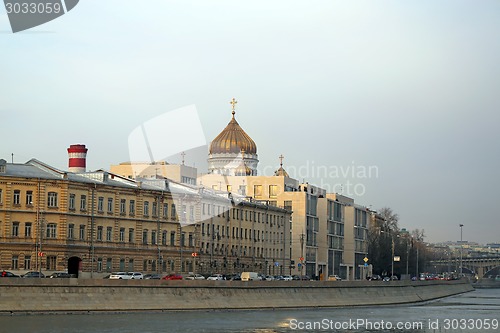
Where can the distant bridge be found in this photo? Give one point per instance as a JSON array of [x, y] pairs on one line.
[[481, 266]]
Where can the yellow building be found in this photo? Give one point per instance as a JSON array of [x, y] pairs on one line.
[[178, 173], [327, 231], [96, 222]]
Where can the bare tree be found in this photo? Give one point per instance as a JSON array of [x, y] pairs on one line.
[[418, 235], [391, 219]]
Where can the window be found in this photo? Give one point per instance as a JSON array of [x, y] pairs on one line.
[[165, 210], [15, 262], [172, 238], [29, 198], [51, 230], [164, 238], [27, 229], [82, 232], [17, 197], [191, 213], [52, 199], [1, 197], [131, 264], [146, 208], [122, 206], [83, 202], [99, 264], [243, 190], [51, 262], [110, 205], [99, 233], [122, 234], [153, 237], [131, 207], [109, 264], [71, 204], [122, 264], [109, 233], [15, 229], [154, 208], [100, 205], [27, 262], [130, 235], [257, 191], [71, 231], [173, 213], [273, 191], [145, 236]]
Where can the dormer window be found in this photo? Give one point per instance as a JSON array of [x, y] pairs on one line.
[[3, 164]]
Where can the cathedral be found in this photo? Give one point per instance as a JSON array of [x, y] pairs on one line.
[[233, 152]]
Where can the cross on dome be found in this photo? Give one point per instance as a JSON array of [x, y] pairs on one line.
[[233, 102], [281, 157]]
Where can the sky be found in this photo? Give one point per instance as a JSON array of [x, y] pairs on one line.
[[394, 103]]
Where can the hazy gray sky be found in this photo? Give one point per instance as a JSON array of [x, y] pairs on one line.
[[409, 88]]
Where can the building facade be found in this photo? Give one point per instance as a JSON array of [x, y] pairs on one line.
[[90, 224]]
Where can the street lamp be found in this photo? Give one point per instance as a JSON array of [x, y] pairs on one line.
[[392, 258], [461, 245]]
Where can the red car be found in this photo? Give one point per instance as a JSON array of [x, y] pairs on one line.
[[172, 277]]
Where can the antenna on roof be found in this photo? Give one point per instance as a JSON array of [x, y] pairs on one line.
[[12, 158]]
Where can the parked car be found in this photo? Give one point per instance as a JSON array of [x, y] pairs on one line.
[[172, 277], [119, 276], [270, 278], [152, 277], [34, 274], [8, 274], [250, 276], [194, 277], [334, 278], [59, 275], [135, 275], [287, 278], [215, 277]]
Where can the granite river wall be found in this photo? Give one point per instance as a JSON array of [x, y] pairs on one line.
[[92, 295]]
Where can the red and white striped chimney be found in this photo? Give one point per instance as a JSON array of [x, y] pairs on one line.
[[77, 155]]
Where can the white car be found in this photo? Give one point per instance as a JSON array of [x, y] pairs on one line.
[[194, 277], [287, 278], [334, 278], [119, 276], [215, 277], [135, 275]]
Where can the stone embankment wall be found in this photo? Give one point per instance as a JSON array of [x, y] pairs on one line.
[[84, 295]]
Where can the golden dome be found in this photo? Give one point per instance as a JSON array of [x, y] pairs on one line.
[[233, 139]]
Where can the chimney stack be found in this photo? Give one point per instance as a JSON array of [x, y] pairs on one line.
[[77, 155]]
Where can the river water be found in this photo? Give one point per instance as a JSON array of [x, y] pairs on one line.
[[477, 311]]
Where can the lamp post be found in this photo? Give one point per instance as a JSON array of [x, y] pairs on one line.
[[418, 275], [461, 246], [392, 258]]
